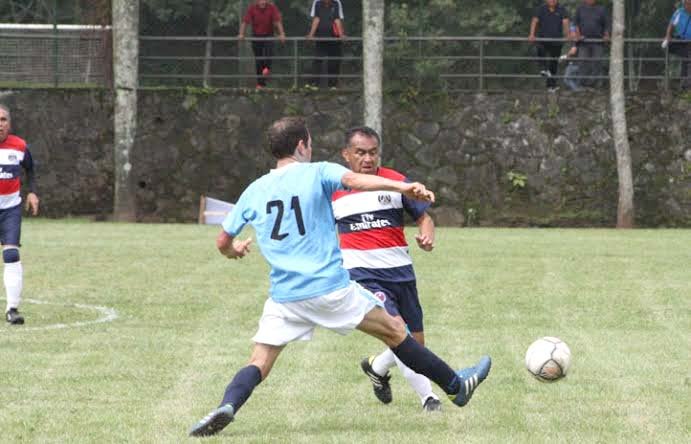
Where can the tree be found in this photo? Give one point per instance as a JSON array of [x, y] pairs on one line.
[[373, 61], [625, 208], [125, 57]]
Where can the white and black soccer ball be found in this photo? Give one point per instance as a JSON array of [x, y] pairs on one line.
[[548, 358]]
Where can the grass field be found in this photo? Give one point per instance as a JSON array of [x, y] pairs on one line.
[[620, 299]]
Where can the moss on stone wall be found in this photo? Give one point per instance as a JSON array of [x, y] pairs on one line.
[[465, 146]]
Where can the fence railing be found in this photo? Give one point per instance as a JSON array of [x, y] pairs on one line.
[[452, 63], [449, 63], [62, 55]]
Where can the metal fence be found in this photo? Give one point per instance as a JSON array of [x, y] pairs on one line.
[[80, 56], [423, 63], [55, 56]]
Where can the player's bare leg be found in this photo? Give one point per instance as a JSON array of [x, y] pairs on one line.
[[239, 390]]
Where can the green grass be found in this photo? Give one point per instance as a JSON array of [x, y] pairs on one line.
[[620, 299]]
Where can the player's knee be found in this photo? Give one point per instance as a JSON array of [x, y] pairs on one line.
[[418, 336], [10, 255], [396, 331]]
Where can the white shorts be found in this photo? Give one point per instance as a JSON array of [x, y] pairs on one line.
[[340, 311]]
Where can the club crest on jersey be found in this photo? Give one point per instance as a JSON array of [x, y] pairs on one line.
[[380, 295], [385, 199], [12, 157]]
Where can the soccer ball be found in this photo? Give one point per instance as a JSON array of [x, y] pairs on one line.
[[548, 358]]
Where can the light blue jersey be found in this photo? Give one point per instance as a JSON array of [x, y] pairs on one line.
[[290, 209]]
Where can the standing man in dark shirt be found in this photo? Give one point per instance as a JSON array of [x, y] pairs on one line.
[[263, 16], [551, 21], [327, 21], [592, 22]]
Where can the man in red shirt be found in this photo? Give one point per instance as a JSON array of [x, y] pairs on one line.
[[264, 17]]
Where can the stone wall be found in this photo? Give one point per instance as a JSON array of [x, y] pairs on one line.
[[494, 159]]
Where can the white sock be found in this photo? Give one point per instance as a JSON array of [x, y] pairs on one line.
[[383, 362], [419, 383], [13, 284]]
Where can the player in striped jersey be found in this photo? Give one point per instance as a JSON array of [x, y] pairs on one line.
[[14, 155], [290, 210], [375, 252]]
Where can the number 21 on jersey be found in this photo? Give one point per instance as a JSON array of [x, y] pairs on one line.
[[278, 207]]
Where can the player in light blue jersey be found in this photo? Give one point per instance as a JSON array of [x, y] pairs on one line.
[[290, 210]]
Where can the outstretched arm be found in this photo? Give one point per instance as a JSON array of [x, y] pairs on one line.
[[370, 182], [231, 247]]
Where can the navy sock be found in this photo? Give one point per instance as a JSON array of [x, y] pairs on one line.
[[240, 388], [421, 360]]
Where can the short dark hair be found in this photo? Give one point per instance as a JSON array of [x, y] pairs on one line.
[[285, 134], [363, 130]]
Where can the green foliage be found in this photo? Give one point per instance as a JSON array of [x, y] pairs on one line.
[[552, 110], [408, 95], [517, 180], [533, 109], [448, 17], [291, 110], [200, 91]]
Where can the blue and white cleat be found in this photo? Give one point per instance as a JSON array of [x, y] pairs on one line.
[[470, 379], [214, 422]]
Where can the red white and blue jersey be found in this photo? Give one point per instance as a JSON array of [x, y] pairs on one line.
[[14, 156], [370, 228]]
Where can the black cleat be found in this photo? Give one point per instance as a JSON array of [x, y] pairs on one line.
[[13, 317], [432, 405], [214, 422], [380, 384]]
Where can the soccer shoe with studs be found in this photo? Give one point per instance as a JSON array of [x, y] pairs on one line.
[[12, 316], [380, 384], [214, 422], [470, 379], [432, 404]]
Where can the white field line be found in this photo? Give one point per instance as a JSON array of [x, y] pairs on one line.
[[107, 315]]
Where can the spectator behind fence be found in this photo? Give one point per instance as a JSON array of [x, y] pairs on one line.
[[550, 20], [592, 22], [679, 28], [572, 72], [327, 21], [264, 16]]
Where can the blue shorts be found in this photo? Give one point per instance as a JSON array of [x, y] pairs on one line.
[[400, 299], [11, 225]]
